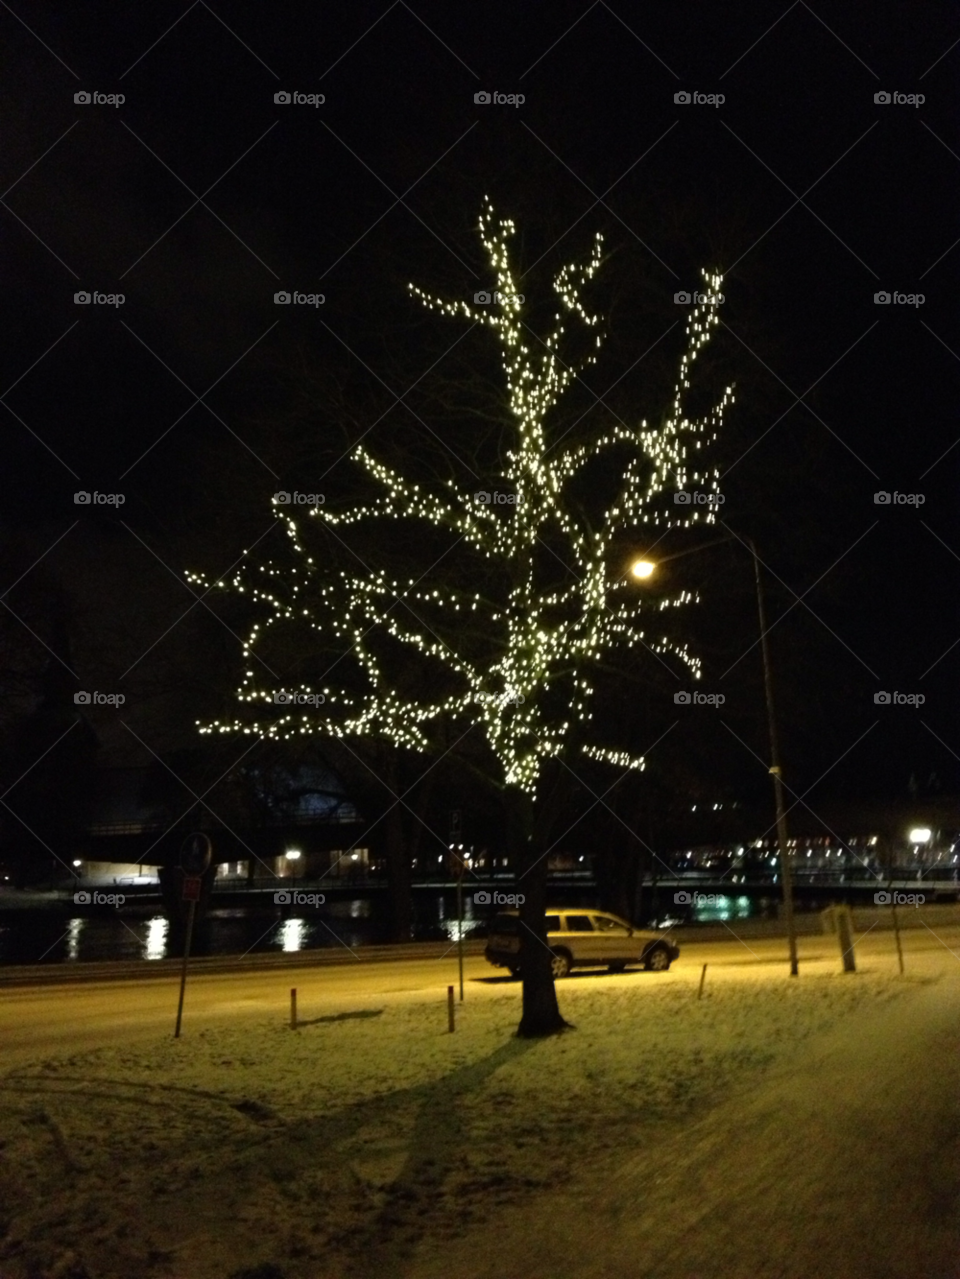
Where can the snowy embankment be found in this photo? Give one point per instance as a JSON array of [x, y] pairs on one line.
[[333, 1149]]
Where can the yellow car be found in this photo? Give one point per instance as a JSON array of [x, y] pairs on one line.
[[582, 938]]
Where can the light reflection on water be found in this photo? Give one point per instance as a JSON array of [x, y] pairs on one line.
[[293, 934], [74, 929], [155, 945], [721, 908], [31, 936]]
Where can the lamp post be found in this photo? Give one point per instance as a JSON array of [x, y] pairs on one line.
[[643, 569]]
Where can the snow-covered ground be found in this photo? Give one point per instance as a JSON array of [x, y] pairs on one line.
[[371, 1134]]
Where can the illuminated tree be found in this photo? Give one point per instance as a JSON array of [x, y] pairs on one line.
[[519, 590]]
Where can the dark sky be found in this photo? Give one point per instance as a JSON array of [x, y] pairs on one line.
[[199, 197]]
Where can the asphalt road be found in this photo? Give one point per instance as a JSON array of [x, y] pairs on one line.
[[46, 1020]]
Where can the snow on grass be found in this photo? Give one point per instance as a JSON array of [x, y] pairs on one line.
[[332, 1150]]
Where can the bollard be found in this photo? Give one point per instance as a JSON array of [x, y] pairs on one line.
[[293, 1007], [896, 930], [703, 978], [844, 920], [450, 1020]]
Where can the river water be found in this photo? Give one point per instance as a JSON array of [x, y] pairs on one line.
[[47, 935]]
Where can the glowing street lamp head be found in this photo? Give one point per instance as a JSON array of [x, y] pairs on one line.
[[643, 568], [292, 854], [920, 835]]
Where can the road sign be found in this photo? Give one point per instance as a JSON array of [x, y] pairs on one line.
[[195, 854], [191, 888]]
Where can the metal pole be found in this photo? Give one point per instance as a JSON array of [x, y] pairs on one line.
[[451, 1023], [785, 873], [183, 971], [896, 921], [460, 925]]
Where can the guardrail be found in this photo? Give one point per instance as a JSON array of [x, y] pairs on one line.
[[71, 973]]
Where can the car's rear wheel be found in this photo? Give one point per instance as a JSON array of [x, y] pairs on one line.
[[657, 959], [560, 964]]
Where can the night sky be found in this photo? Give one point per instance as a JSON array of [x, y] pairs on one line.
[[199, 197]]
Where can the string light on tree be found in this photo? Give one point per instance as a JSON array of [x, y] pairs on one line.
[[542, 637]]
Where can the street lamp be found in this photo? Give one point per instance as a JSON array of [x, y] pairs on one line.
[[644, 569]]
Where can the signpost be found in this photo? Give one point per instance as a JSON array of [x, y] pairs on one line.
[[195, 858], [456, 833]]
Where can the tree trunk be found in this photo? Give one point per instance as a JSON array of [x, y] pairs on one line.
[[398, 862], [541, 1012]]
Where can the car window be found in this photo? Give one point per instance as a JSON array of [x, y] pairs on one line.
[[579, 924], [505, 924], [606, 924], [553, 923]]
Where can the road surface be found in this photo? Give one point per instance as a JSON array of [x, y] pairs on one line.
[[51, 1019]]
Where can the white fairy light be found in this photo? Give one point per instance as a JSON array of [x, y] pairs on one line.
[[597, 611]]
